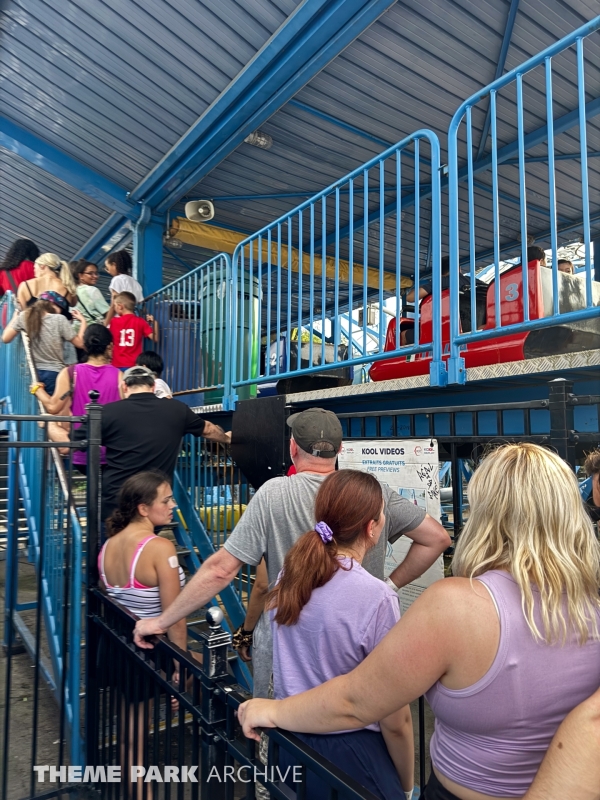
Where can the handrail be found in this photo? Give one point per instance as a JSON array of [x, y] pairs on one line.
[[531, 318], [29, 476], [193, 315], [271, 267], [316, 263]]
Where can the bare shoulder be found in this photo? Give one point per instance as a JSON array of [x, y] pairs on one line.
[[161, 548], [455, 600]]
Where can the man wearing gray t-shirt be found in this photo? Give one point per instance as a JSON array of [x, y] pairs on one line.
[[278, 514]]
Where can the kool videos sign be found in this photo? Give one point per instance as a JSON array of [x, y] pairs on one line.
[[410, 468]]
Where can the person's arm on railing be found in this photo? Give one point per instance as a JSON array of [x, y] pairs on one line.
[[198, 426], [9, 333], [215, 433], [215, 574], [166, 565], [155, 333]]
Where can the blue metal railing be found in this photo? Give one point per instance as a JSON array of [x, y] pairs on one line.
[[193, 315], [52, 517], [298, 283], [348, 244], [532, 311]]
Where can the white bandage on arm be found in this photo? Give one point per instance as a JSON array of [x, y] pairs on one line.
[[173, 562]]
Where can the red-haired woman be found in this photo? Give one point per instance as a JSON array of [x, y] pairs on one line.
[[328, 614]]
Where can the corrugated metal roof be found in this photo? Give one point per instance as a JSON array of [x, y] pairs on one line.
[[115, 83], [36, 205], [412, 69]]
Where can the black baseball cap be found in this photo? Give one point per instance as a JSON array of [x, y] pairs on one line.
[[316, 425]]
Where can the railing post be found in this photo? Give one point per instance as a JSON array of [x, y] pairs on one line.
[[438, 375], [562, 419], [94, 435], [216, 643], [456, 364], [229, 397], [229, 394], [12, 550]]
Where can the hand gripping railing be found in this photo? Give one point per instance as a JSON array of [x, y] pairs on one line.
[[54, 529], [518, 126], [353, 243], [193, 315]]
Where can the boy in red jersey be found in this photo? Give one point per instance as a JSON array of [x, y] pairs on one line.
[[129, 330]]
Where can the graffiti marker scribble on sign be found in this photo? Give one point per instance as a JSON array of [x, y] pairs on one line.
[[426, 474]]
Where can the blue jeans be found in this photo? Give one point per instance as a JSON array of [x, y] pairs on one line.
[[362, 754]]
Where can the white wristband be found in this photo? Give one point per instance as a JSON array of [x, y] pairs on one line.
[[389, 582], [409, 794]]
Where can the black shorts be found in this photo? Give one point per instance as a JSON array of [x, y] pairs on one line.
[[435, 791]]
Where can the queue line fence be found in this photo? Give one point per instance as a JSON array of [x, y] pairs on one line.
[[534, 172], [339, 250], [194, 317], [163, 708], [45, 523], [298, 295]]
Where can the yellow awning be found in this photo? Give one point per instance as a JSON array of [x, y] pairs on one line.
[[222, 240]]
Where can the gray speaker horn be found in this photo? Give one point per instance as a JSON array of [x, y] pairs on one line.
[[199, 210]]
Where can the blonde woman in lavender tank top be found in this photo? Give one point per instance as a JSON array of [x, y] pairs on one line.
[[503, 651]]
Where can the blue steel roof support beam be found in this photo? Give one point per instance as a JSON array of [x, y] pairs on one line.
[[510, 24], [31, 148], [92, 249], [340, 123], [314, 34], [148, 252]]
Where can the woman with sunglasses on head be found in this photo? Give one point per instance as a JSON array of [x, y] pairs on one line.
[[51, 275], [327, 615], [503, 651]]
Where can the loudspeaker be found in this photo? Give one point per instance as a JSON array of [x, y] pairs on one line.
[[199, 210]]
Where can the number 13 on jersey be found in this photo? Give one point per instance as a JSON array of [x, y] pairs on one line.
[[127, 337]]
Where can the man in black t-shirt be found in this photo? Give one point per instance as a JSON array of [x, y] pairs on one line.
[[144, 432]]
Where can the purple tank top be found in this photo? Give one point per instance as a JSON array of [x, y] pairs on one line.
[[492, 736], [105, 380]]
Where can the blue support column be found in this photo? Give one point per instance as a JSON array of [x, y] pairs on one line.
[[148, 253]]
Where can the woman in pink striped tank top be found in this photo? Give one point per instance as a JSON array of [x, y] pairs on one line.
[[138, 568], [503, 651]]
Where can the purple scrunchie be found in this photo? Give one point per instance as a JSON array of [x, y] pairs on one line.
[[324, 531]]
